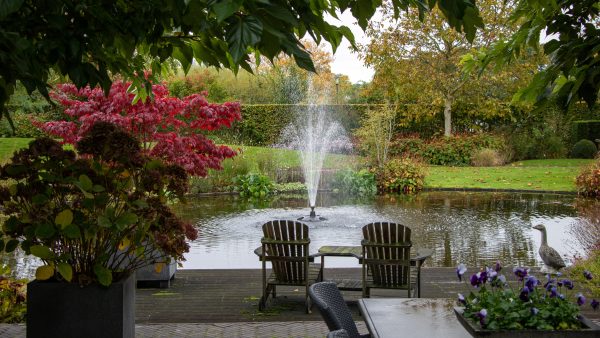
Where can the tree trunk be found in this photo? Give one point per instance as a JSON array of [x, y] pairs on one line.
[[448, 116]]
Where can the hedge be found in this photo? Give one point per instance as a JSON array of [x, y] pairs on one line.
[[585, 130], [262, 124]]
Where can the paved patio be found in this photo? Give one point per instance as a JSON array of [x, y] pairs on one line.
[[223, 303]]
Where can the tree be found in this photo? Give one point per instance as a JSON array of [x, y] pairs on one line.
[[570, 29], [168, 128], [419, 63], [376, 132], [90, 41]]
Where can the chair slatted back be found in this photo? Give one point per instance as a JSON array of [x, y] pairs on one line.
[[285, 244], [386, 252]]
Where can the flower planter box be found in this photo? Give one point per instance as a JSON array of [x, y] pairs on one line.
[[589, 330], [148, 276], [58, 309]]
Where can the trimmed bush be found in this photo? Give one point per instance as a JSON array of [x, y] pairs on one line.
[[486, 158], [584, 149], [401, 175], [588, 181]]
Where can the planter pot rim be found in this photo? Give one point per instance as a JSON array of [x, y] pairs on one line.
[[589, 329]]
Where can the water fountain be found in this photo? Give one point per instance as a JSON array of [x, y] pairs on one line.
[[314, 133]]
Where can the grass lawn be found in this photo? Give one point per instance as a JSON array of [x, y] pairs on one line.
[[555, 175], [287, 158], [9, 145]]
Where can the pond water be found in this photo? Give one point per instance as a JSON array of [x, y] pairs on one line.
[[471, 227]]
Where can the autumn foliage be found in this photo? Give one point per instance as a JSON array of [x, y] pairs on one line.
[[169, 128]]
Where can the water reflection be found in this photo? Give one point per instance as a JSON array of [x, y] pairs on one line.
[[475, 228]]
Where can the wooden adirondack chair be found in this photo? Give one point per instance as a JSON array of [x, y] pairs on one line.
[[285, 245], [386, 257]]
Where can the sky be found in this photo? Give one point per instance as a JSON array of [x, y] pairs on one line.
[[345, 61]]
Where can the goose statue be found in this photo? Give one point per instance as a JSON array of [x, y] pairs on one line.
[[550, 256]]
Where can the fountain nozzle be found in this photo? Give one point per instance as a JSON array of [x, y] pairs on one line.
[[312, 217]]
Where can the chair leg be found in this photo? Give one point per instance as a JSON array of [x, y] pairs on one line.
[[274, 291], [308, 302]]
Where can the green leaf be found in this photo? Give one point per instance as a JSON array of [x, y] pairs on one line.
[[72, 231], [103, 274], [85, 183], [225, 8], [41, 251], [45, 230], [11, 224], [39, 199], [185, 55], [104, 222], [140, 204], [245, 32], [8, 7], [125, 220], [44, 272], [154, 164], [13, 189], [64, 218], [98, 188], [11, 245], [65, 270]]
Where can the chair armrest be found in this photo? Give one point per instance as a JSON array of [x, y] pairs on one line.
[[364, 242], [276, 241], [258, 252]]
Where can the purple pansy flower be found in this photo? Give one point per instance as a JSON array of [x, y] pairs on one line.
[[549, 281], [520, 273], [531, 283], [461, 299], [594, 304], [553, 292], [483, 277], [524, 296], [580, 299], [502, 279], [491, 273], [460, 271], [568, 284], [498, 266], [482, 314], [475, 280], [588, 275]]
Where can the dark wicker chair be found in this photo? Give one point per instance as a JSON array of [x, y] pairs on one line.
[[338, 334], [328, 299], [285, 245], [386, 257]]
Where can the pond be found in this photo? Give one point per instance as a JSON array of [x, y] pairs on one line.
[[471, 227]]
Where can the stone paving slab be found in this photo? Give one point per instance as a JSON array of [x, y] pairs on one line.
[[213, 330]]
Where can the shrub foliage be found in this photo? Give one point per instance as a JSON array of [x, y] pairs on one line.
[[401, 175], [454, 150], [588, 180]]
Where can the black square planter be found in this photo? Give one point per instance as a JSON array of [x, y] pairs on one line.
[[67, 310]]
